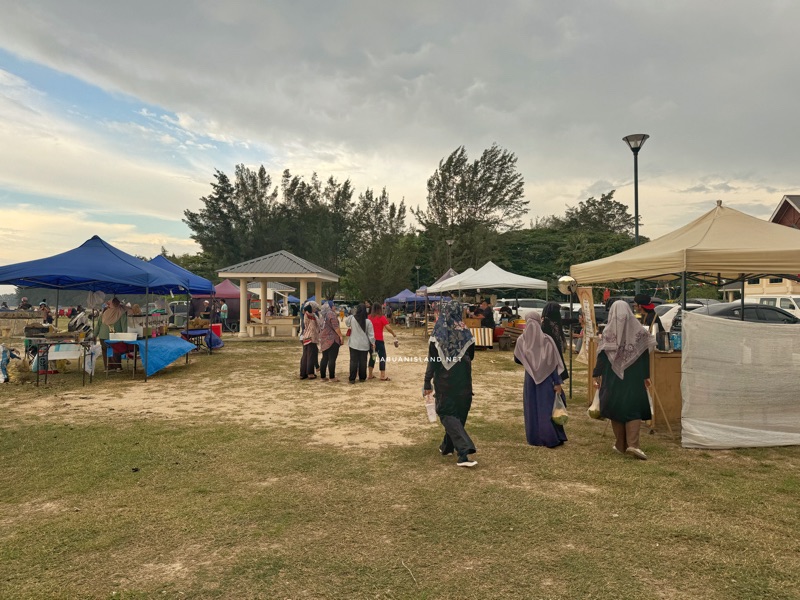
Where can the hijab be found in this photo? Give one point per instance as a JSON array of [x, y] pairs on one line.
[[361, 317], [551, 323], [624, 339], [450, 335], [112, 314], [536, 350]]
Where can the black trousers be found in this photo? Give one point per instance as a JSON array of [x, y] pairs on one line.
[[380, 350], [309, 360], [358, 364], [328, 363], [455, 436]]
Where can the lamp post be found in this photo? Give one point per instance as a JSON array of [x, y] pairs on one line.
[[635, 142], [449, 256], [417, 268]]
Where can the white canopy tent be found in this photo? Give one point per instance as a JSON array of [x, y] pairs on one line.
[[490, 276], [451, 283]]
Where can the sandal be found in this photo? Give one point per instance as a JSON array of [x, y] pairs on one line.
[[312, 376], [371, 377], [385, 379]]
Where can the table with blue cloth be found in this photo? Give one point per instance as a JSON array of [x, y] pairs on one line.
[[156, 353], [196, 337]]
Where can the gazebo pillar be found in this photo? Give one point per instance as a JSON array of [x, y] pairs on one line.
[[244, 308], [263, 300], [303, 291]]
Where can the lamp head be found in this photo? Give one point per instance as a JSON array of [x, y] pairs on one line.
[[567, 285], [635, 141]]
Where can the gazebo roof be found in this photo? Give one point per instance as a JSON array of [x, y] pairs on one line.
[[281, 264], [271, 285]]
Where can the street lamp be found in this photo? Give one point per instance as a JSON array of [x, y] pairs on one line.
[[417, 268], [635, 142], [449, 257]]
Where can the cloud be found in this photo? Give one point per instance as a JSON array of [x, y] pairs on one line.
[[379, 93]]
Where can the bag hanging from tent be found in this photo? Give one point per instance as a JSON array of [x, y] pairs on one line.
[[559, 416], [594, 408]]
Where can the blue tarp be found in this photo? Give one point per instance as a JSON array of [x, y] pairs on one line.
[[296, 300], [160, 351], [197, 284], [94, 266]]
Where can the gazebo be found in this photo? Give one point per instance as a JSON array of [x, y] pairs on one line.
[[278, 266]]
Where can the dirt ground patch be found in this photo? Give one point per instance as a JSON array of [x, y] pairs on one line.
[[257, 383]]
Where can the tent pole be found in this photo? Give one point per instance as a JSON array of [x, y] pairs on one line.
[[571, 341], [147, 337], [683, 290], [742, 305]]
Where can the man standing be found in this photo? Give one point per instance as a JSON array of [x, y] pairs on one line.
[[487, 319], [223, 313]]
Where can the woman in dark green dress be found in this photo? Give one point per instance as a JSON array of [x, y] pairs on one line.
[[623, 375]]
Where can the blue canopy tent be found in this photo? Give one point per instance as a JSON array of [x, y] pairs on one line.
[[95, 266], [296, 300], [405, 296], [197, 284]]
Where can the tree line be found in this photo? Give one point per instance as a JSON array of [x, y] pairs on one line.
[[367, 240]]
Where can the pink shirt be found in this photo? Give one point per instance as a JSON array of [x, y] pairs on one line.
[[378, 323]]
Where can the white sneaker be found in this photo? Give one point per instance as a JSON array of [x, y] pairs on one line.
[[466, 462], [636, 452]]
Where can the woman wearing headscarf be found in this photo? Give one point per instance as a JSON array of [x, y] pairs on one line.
[[537, 352], [362, 340], [330, 339], [114, 319], [450, 352], [552, 326], [310, 340], [623, 376]]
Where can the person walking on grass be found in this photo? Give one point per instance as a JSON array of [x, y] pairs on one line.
[[379, 323], [623, 375], [537, 352], [362, 340], [330, 339], [451, 350], [310, 340]]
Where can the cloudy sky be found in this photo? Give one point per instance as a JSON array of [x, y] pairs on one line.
[[114, 115]]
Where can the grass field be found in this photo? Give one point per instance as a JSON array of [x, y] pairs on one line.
[[229, 478]]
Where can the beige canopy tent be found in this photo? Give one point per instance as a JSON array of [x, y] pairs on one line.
[[717, 412], [723, 243]]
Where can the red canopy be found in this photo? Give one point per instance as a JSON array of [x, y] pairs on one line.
[[225, 289]]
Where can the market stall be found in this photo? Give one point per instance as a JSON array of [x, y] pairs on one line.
[[94, 266], [721, 245]]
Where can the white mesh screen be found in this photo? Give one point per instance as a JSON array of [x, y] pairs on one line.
[[740, 383]]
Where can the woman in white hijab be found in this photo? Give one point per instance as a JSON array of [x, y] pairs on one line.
[[538, 353], [623, 376]]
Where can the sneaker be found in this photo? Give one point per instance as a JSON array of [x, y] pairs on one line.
[[443, 453], [637, 453], [463, 461], [615, 449]]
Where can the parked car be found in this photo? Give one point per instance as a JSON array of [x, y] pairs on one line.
[[179, 310], [788, 302], [667, 312], [600, 313], [760, 313], [521, 306]]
